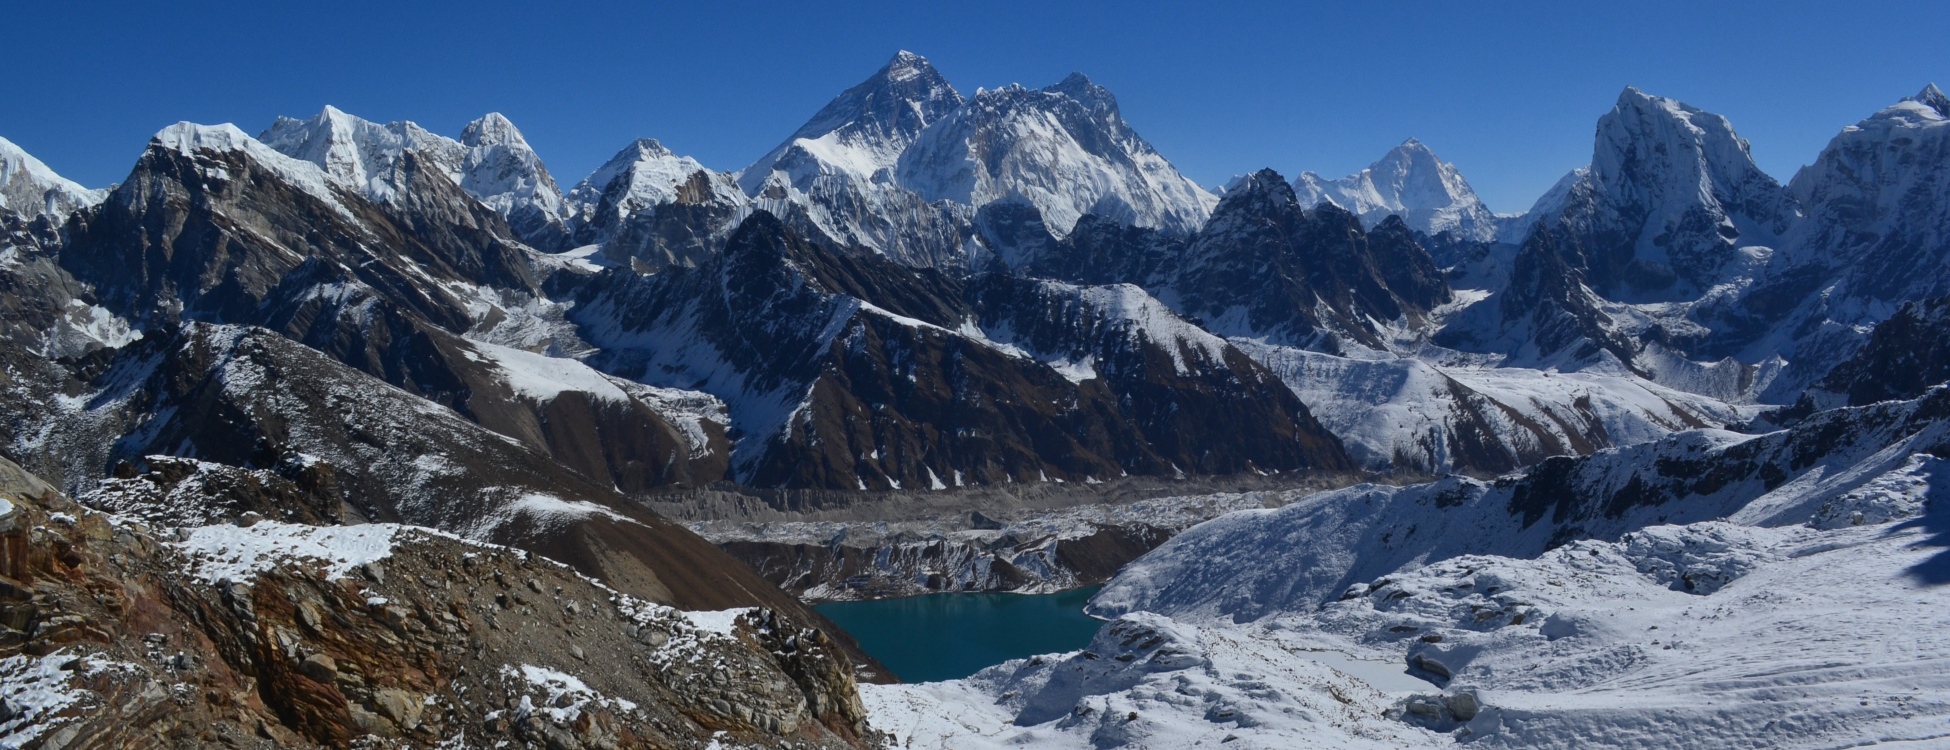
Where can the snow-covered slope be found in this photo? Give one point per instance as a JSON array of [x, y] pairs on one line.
[[505, 173], [1424, 414], [1064, 148], [835, 174], [1695, 592], [1877, 201], [31, 189], [862, 132], [359, 154], [1410, 182], [492, 162], [650, 206]]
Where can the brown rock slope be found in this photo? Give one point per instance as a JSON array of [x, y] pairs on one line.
[[112, 634]]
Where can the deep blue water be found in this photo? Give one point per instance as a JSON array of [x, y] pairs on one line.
[[948, 636]]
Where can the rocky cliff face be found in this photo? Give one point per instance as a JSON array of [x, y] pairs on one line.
[[1670, 196], [851, 370], [266, 634], [1265, 267]]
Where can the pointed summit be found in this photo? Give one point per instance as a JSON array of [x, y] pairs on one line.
[[1064, 148], [905, 66], [492, 129], [502, 171], [29, 188], [360, 154], [864, 129], [1935, 99], [1672, 192], [1409, 181]]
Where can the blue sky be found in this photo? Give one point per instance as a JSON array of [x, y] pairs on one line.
[[1508, 91]]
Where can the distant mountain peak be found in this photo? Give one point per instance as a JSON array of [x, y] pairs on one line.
[[1096, 98], [906, 66], [492, 129], [29, 188], [1935, 99], [1065, 148], [1409, 181], [864, 129]]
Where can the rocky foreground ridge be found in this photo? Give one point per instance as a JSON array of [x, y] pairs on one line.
[[268, 634]]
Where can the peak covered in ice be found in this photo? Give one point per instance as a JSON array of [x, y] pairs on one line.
[[492, 161], [1409, 181], [861, 132], [644, 174], [1064, 148], [188, 139], [360, 154], [1671, 195], [29, 188], [503, 171]]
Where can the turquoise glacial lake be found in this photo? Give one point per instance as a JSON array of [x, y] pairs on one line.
[[950, 636]]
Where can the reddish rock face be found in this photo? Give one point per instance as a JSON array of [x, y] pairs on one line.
[[138, 647]]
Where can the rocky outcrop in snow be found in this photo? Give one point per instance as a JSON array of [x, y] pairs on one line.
[[119, 632]]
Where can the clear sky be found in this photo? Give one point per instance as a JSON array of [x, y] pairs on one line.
[[1508, 91]]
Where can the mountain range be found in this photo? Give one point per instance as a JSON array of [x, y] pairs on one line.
[[340, 322]]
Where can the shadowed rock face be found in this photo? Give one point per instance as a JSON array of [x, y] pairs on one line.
[[214, 236], [1263, 267], [430, 638], [308, 439], [1546, 313], [1906, 355], [851, 571], [879, 383]]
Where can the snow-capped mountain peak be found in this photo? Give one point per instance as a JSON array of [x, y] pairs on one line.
[[357, 153], [188, 138], [1670, 195], [1409, 181], [1935, 98], [503, 171], [29, 188], [1064, 148], [862, 131], [492, 162], [649, 174]]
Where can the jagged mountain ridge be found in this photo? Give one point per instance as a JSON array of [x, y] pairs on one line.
[[29, 188], [286, 635], [1372, 292], [1408, 181], [852, 370]]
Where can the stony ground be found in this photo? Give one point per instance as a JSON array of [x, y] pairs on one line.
[[116, 634]]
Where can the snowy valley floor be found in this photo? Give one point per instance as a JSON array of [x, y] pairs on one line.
[[1705, 635]]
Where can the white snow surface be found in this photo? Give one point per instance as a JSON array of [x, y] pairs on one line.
[[1411, 411], [1804, 611], [237, 554], [643, 176], [188, 138], [37, 688], [1409, 181], [492, 161], [1063, 148], [29, 188]]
